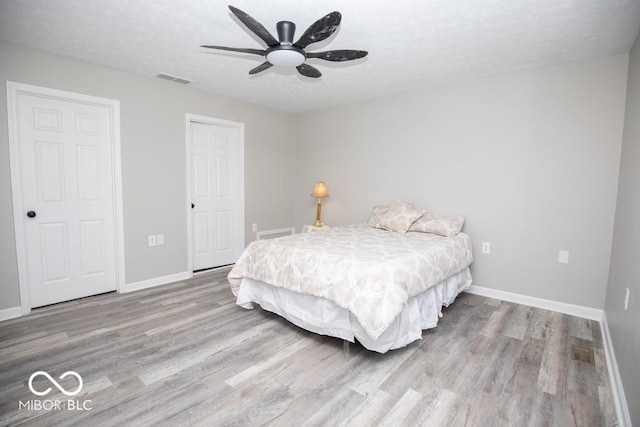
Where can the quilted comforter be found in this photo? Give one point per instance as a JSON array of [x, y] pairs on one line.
[[369, 271]]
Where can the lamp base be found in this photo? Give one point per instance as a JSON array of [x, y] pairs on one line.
[[318, 223]]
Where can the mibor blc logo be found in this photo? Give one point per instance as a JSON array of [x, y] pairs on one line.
[[56, 404], [55, 383]]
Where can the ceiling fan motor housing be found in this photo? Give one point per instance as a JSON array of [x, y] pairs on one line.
[[285, 54], [286, 30]]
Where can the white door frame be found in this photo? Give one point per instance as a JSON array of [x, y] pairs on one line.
[[240, 218], [13, 90]]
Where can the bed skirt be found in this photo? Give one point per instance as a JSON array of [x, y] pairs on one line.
[[324, 317]]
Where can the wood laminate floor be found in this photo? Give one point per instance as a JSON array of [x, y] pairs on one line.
[[185, 354]]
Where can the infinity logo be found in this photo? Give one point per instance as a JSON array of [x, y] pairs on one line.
[[55, 383]]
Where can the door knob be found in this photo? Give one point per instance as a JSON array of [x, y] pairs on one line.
[[192, 206], [31, 214]]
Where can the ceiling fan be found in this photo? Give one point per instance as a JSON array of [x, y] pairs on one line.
[[284, 52]]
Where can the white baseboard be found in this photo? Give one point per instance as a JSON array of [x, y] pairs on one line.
[[156, 281], [560, 307], [10, 313], [619, 398]]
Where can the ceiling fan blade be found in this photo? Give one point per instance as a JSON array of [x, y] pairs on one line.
[[309, 71], [319, 30], [338, 55], [254, 26], [238, 49], [261, 67]]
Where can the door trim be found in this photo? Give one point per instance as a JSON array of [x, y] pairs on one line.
[[190, 118], [13, 90]]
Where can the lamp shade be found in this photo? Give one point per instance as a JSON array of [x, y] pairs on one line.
[[320, 190]]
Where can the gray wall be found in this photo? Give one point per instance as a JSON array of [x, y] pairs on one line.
[[153, 159], [530, 159], [625, 268]]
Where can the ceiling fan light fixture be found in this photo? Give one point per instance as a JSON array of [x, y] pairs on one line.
[[286, 57]]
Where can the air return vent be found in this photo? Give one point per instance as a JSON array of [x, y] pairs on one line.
[[582, 354], [175, 79]]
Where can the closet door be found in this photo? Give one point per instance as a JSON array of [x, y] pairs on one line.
[[64, 157], [216, 194]]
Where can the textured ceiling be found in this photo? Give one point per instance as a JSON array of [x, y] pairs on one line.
[[411, 43]]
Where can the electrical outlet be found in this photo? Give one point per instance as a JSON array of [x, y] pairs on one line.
[[152, 240], [563, 257], [626, 298], [254, 227], [486, 247], [160, 239]]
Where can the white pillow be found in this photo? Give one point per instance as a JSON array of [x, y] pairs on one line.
[[396, 217], [442, 225]]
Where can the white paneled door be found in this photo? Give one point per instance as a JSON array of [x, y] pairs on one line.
[[64, 149], [215, 194]]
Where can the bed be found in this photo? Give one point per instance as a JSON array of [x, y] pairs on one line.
[[358, 282]]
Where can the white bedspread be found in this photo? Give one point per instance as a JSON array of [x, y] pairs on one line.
[[370, 272]]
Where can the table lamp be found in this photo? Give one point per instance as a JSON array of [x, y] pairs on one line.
[[319, 191]]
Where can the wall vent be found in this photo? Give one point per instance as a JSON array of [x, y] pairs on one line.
[[175, 79], [273, 234]]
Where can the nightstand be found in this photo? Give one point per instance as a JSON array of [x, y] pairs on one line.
[[310, 228]]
